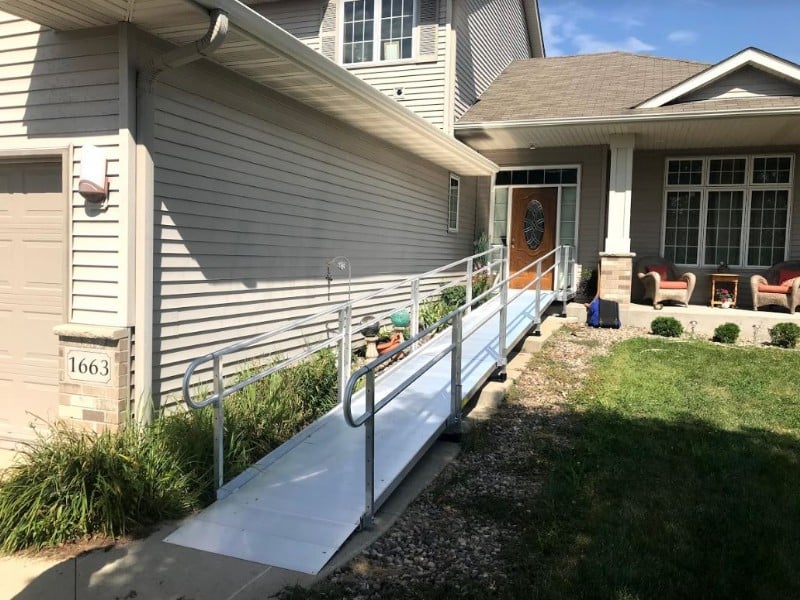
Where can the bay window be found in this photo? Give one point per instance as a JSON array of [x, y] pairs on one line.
[[732, 210]]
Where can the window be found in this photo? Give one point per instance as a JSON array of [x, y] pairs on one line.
[[565, 178], [732, 210], [452, 204], [377, 30]]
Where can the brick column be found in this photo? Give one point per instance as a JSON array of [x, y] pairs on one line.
[[616, 273], [94, 375]]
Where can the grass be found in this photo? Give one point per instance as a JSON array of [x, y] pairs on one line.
[[673, 473], [683, 481], [76, 484]]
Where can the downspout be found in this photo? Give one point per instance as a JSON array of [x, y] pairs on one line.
[[145, 200]]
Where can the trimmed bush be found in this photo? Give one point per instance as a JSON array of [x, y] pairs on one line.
[[77, 483], [666, 327], [785, 335], [727, 333]]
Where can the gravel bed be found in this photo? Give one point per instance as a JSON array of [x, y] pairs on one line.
[[436, 542]]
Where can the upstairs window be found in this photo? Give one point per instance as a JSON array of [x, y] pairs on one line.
[[377, 30]]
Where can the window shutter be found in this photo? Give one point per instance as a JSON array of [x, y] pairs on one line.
[[327, 30], [428, 28]]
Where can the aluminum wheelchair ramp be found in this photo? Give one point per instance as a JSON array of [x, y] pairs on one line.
[[297, 506]]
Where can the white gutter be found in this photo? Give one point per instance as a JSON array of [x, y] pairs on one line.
[[279, 41], [603, 120]]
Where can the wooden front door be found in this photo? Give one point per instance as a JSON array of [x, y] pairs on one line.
[[533, 233]]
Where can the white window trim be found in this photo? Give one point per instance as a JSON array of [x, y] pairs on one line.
[[748, 187], [511, 187], [453, 177], [376, 39]]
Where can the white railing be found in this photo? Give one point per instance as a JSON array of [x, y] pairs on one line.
[[492, 262], [562, 261]]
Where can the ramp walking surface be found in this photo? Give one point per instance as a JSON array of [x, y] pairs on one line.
[[296, 507]]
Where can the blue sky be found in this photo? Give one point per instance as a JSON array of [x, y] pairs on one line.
[[702, 30]]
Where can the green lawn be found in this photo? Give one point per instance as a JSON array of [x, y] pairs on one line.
[[672, 472], [682, 480]]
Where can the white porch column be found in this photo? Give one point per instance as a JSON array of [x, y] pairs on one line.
[[618, 232], [616, 262]]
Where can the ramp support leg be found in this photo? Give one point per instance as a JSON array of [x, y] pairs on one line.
[[455, 373], [368, 518]]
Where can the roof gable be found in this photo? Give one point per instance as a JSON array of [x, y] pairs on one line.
[[750, 73]]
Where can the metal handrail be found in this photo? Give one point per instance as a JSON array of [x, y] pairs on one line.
[[263, 337], [561, 255], [343, 337]]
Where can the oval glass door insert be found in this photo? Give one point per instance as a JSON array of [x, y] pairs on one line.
[[534, 224]]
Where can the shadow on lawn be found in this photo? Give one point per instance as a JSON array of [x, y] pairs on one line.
[[642, 508]]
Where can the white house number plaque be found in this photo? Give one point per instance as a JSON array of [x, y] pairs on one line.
[[83, 365]]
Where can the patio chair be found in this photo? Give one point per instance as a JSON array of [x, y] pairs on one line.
[[662, 282], [779, 286]]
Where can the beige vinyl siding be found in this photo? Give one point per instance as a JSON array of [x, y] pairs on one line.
[[592, 189], [255, 194], [747, 82], [489, 35], [422, 83], [60, 90], [301, 18], [647, 213]]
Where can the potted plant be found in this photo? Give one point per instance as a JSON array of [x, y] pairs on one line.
[[724, 297]]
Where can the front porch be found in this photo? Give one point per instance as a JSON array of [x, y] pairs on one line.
[[702, 320]]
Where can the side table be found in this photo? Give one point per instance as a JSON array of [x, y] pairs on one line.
[[724, 278]]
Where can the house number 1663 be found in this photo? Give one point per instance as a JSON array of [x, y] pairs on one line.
[[88, 366]]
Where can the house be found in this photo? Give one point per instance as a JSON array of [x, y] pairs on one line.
[[176, 173], [643, 156]]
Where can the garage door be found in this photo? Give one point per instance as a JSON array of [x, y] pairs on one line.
[[32, 281]]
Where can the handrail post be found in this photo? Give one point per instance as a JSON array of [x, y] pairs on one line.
[[219, 429], [345, 350], [367, 519], [414, 311], [538, 321], [565, 279], [503, 332], [468, 285], [455, 371]]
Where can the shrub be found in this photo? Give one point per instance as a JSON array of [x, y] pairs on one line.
[[454, 296], [587, 286], [785, 335], [666, 327], [77, 483], [727, 333], [432, 311]]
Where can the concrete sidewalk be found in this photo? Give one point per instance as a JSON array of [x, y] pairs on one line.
[[150, 569]]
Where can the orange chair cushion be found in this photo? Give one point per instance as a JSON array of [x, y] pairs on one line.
[[773, 289], [785, 276], [673, 285], [662, 271]]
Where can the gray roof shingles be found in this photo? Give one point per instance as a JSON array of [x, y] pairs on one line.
[[594, 85]]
